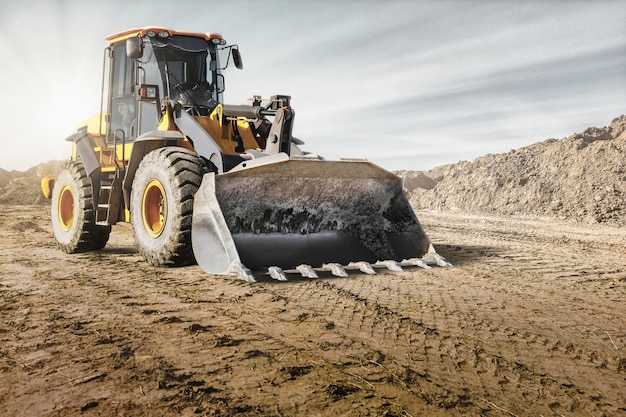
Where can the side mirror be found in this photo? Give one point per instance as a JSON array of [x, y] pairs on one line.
[[237, 58], [134, 47]]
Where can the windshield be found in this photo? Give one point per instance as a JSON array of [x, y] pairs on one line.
[[188, 68]]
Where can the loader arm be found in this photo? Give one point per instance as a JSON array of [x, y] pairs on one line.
[[201, 140]]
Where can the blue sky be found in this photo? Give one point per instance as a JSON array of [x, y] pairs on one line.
[[406, 84]]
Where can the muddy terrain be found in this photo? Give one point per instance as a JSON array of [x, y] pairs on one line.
[[530, 321]]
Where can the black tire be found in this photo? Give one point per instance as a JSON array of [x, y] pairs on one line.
[[73, 214], [161, 205]]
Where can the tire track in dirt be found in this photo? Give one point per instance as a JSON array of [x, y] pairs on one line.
[[441, 364], [123, 315], [516, 328], [287, 333], [289, 324], [503, 332], [570, 302]]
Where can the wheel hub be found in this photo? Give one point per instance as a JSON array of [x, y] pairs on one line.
[[154, 208], [66, 208]]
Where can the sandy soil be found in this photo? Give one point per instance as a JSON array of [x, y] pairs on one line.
[[530, 321]]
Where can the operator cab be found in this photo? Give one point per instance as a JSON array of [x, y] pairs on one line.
[[178, 66]]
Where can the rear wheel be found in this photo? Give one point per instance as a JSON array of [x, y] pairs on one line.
[[162, 205], [73, 214]]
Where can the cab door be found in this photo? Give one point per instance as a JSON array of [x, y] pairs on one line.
[[123, 104]]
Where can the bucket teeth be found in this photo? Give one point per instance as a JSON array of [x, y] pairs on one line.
[[364, 267], [441, 261], [336, 269], [432, 257], [306, 271], [390, 265], [417, 262], [277, 273], [241, 271]]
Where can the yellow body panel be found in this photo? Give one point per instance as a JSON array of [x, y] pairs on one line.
[[47, 184], [223, 133], [166, 122], [107, 159], [95, 124], [216, 126], [107, 155]]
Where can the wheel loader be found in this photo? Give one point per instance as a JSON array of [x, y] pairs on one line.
[[226, 186]]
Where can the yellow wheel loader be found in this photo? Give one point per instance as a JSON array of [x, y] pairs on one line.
[[226, 186]]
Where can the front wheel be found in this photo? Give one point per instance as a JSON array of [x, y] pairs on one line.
[[162, 205], [73, 214]]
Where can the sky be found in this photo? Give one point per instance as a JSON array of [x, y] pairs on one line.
[[405, 84]]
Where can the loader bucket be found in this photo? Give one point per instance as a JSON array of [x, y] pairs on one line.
[[309, 212]]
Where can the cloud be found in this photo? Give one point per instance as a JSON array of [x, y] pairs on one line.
[[387, 80]]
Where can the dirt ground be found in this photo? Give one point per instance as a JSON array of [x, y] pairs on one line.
[[531, 320]]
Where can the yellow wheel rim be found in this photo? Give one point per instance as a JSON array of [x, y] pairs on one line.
[[66, 207], [154, 208]]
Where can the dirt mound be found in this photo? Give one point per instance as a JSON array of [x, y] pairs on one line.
[[18, 187], [581, 177]]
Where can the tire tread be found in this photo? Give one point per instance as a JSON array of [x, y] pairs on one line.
[[185, 170]]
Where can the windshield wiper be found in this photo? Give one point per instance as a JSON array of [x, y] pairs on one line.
[[179, 87]]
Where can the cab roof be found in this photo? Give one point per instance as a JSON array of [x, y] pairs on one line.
[[157, 31]]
